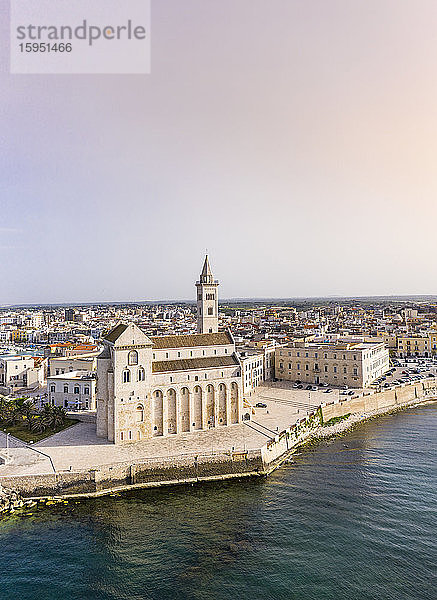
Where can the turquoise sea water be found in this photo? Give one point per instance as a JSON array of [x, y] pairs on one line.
[[355, 518]]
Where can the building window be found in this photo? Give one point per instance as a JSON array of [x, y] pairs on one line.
[[65, 389], [132, 357], [140, 413], [86, 391], [126, 376], [141, 374], [52, 388], [76, 389], [210, 311]]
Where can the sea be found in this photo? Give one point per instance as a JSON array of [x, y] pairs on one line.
[[353, 518]]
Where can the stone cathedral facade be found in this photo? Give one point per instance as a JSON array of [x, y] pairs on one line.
[[169, 385]]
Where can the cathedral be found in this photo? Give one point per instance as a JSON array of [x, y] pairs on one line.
[[167, 385]]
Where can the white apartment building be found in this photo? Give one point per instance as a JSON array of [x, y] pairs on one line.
[[252, 367], [17, 372], [352, 363], [75, 390]]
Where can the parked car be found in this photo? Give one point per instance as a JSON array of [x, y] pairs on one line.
[[309, 387], [351, 393], [300, 387], [328, 391], [260, 405]]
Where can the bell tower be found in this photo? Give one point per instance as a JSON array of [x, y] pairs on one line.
[[207, 301]]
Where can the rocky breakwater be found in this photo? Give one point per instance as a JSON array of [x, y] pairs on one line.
[[11, 500]]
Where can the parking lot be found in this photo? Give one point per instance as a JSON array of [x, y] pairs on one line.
[[407, 371]]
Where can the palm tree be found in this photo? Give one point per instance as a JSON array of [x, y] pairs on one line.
[[38, 424]]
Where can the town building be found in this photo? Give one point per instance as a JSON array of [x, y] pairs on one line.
[[75, 390], [341, 362], [17, 372]]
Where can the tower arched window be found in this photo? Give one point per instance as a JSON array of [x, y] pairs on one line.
[[126, 376], [133, 357]]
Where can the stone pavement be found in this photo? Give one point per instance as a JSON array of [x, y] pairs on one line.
[[25, 460], [79, 448]]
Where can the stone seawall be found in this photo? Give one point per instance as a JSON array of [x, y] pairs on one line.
[[207, 467], [375, 401], [147, 473]]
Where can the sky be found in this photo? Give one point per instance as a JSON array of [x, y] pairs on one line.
[[296, 141]]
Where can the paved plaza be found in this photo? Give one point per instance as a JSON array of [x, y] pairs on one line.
[[78, 447]]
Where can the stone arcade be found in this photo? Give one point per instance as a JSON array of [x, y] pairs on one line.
[[168, 385]]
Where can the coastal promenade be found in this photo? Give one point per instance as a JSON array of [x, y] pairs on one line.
[[75, 461]]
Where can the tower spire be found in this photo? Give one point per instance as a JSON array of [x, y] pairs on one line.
[[206, 275], [207, 300]]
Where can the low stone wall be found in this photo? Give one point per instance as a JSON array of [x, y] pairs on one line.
[[152, 472], [374, 401]]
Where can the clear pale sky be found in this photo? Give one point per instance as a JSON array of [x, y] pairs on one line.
[[296, 140]]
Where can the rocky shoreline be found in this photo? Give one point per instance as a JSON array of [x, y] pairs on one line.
[[11, 500], [346, 425]]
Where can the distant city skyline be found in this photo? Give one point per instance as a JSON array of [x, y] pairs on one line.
[[296, 141]]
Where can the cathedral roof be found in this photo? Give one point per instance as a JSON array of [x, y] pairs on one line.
[[192, 340], [189, 364], [115, 333]]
